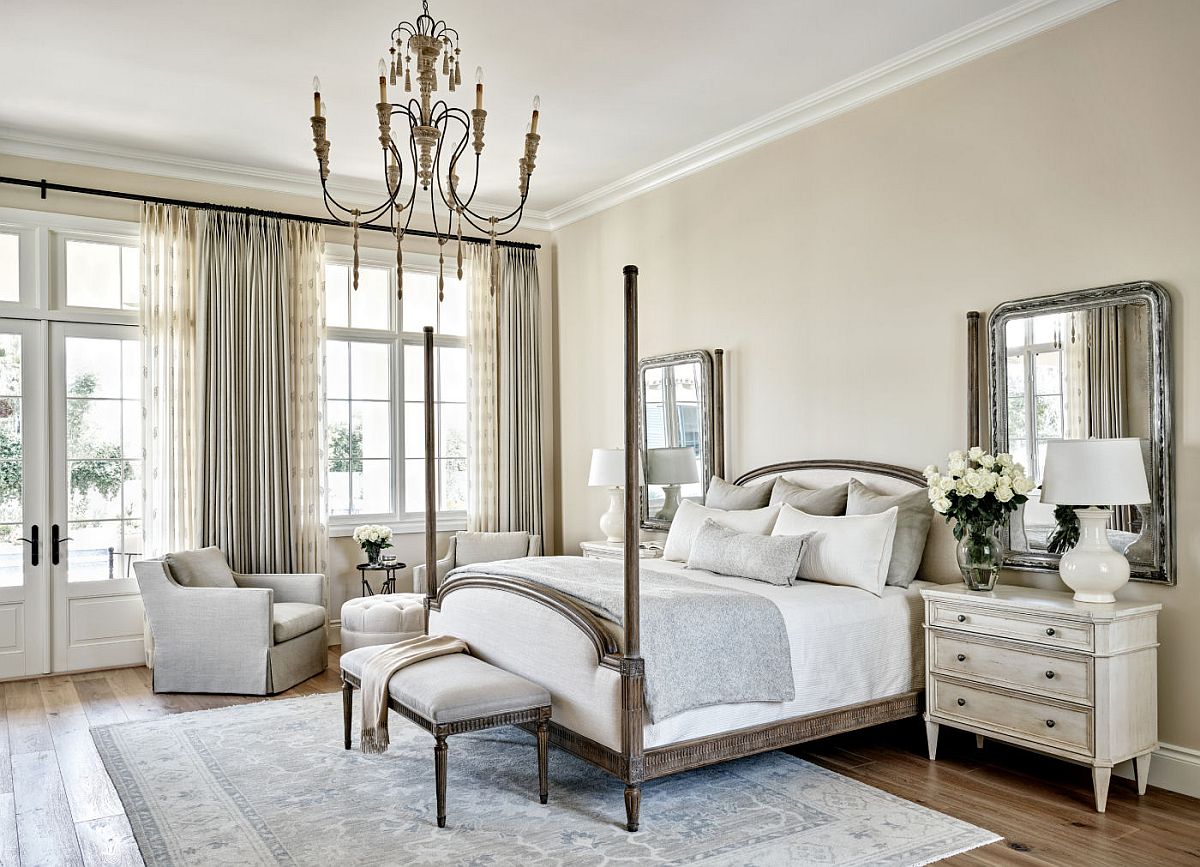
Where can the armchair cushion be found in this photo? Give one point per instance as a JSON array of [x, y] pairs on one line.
[[203, 568], [292, 619], [488, 547]]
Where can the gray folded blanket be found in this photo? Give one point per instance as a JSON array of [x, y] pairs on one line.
[[702, 644]]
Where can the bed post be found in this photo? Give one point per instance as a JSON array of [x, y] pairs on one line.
[[973, 433], [431, 575], [718, 413], [632, 666]]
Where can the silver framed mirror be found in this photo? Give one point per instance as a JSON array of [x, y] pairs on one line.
[[1091, 363], [676, 432]]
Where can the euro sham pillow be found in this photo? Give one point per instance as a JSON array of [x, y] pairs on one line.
[[815, 501], [770, 559], [912, 526], [691, 516], [724, 495], [850, 550]]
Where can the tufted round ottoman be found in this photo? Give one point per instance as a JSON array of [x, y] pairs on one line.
[[383, 619]]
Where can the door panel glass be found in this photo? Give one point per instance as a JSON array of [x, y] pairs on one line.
[[12, 552], [104, 460]]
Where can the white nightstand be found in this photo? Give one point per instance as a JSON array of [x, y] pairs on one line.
[[615, 551], [1037, 669]]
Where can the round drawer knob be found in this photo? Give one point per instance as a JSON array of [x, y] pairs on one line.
[[1050, 630], [962, 657], [962, 702], [1049, 723], [962, 618], [1050, 675]]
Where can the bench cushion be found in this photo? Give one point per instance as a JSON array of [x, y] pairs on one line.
[[454, 688], [292, 619]]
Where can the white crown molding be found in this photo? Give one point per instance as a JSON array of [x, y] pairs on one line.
[[145, 162], [997, 31]]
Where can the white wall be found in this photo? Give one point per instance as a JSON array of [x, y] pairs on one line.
[[835, 266]]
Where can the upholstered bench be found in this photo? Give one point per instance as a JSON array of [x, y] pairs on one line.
[[382, 619], [453, 694]]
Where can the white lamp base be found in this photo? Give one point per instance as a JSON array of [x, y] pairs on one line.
[[670, 503], [612, 522], [1092, 568]]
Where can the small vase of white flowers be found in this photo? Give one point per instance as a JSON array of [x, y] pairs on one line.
[[373, 538], [977, 492]]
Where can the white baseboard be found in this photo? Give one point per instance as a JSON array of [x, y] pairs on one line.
[[335, 632], [1176, 769]]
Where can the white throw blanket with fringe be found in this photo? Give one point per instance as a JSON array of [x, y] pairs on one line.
[[377, 673]]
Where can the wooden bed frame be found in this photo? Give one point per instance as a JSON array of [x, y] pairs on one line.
[[634, 764]]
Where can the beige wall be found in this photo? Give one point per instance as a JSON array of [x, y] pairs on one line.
[[343, 553], [835, 266]]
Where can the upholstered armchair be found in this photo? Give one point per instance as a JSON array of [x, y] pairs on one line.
[[216, 630], [468, 548]]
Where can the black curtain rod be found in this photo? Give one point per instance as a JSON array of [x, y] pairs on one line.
[[45, 185]]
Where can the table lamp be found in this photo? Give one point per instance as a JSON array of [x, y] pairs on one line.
[[608, 471], [670, 468], [1091, 475]]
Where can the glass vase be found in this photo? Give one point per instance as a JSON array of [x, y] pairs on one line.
[[373, 552], [980, 557]]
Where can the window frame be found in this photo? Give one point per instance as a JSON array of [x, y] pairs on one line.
[[1028, 353], [401, 519]]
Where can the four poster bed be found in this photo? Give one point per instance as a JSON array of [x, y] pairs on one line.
[[855, 658]]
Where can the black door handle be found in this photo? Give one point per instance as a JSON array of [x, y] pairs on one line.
[[35, 546], [54, 542]]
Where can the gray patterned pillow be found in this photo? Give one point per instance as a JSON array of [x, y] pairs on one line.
[[830, 502], [772, 559], [912, 526], [723, 495]]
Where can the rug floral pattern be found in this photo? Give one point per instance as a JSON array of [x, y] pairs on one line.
[[270, 783]]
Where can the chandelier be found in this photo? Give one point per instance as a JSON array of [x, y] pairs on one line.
[[423, 143]]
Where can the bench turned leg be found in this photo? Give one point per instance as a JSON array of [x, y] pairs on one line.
[[347, 709], [543, 748], [633, 806], [439, 761]]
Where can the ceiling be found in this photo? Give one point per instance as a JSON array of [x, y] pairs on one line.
[[625, 84]]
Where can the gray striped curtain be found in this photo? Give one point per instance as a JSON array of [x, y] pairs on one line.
[[520, 392], [1106, 377], [260, 325]]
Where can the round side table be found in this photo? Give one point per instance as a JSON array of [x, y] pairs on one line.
[[388, 567]]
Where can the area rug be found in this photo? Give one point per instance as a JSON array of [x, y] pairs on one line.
[[269, 783]]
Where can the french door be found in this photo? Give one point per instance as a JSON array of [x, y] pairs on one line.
[[70, 496]]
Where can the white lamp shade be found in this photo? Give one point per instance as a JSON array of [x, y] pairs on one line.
[[1096, 472], [671, 466], [608, 469]]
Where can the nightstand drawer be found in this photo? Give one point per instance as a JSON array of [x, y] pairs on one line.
[[1020, 668], [1050, 631], [1027, 718]]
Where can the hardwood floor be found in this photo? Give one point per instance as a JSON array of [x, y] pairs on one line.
[[57, 806]]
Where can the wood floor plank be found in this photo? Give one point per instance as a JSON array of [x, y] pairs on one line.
[[28, 731], [64, 708], [10, 852], [5, 749], [108, 842], [130, 690], [100, 703], [45, 831], [90, 793]]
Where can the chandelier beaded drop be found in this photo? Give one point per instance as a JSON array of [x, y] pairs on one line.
[[427, 160]]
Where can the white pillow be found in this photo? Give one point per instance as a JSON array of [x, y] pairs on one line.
[[691, 516], [850, 550]]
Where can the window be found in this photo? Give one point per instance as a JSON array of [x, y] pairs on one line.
[[1035, 388], [102, 274], [374, 416], [10, 267]]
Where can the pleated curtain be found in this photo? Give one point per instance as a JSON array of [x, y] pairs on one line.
[[235, 389], [505, 420], [1106, 399]]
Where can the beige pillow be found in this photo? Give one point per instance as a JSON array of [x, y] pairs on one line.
[[815, 501], [690, 518], [851, 550], [204, 568], [912, 526], [723, 495]]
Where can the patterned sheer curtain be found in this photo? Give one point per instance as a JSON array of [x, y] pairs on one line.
[[169, 405], [261, 326], [505, 420]]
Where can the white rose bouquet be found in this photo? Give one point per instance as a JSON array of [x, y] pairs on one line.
[[978, 490], [373, 538]]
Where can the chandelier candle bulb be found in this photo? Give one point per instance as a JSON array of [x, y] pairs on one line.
[[537, 105], [382, 81], [316, 97], [479, 88]]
